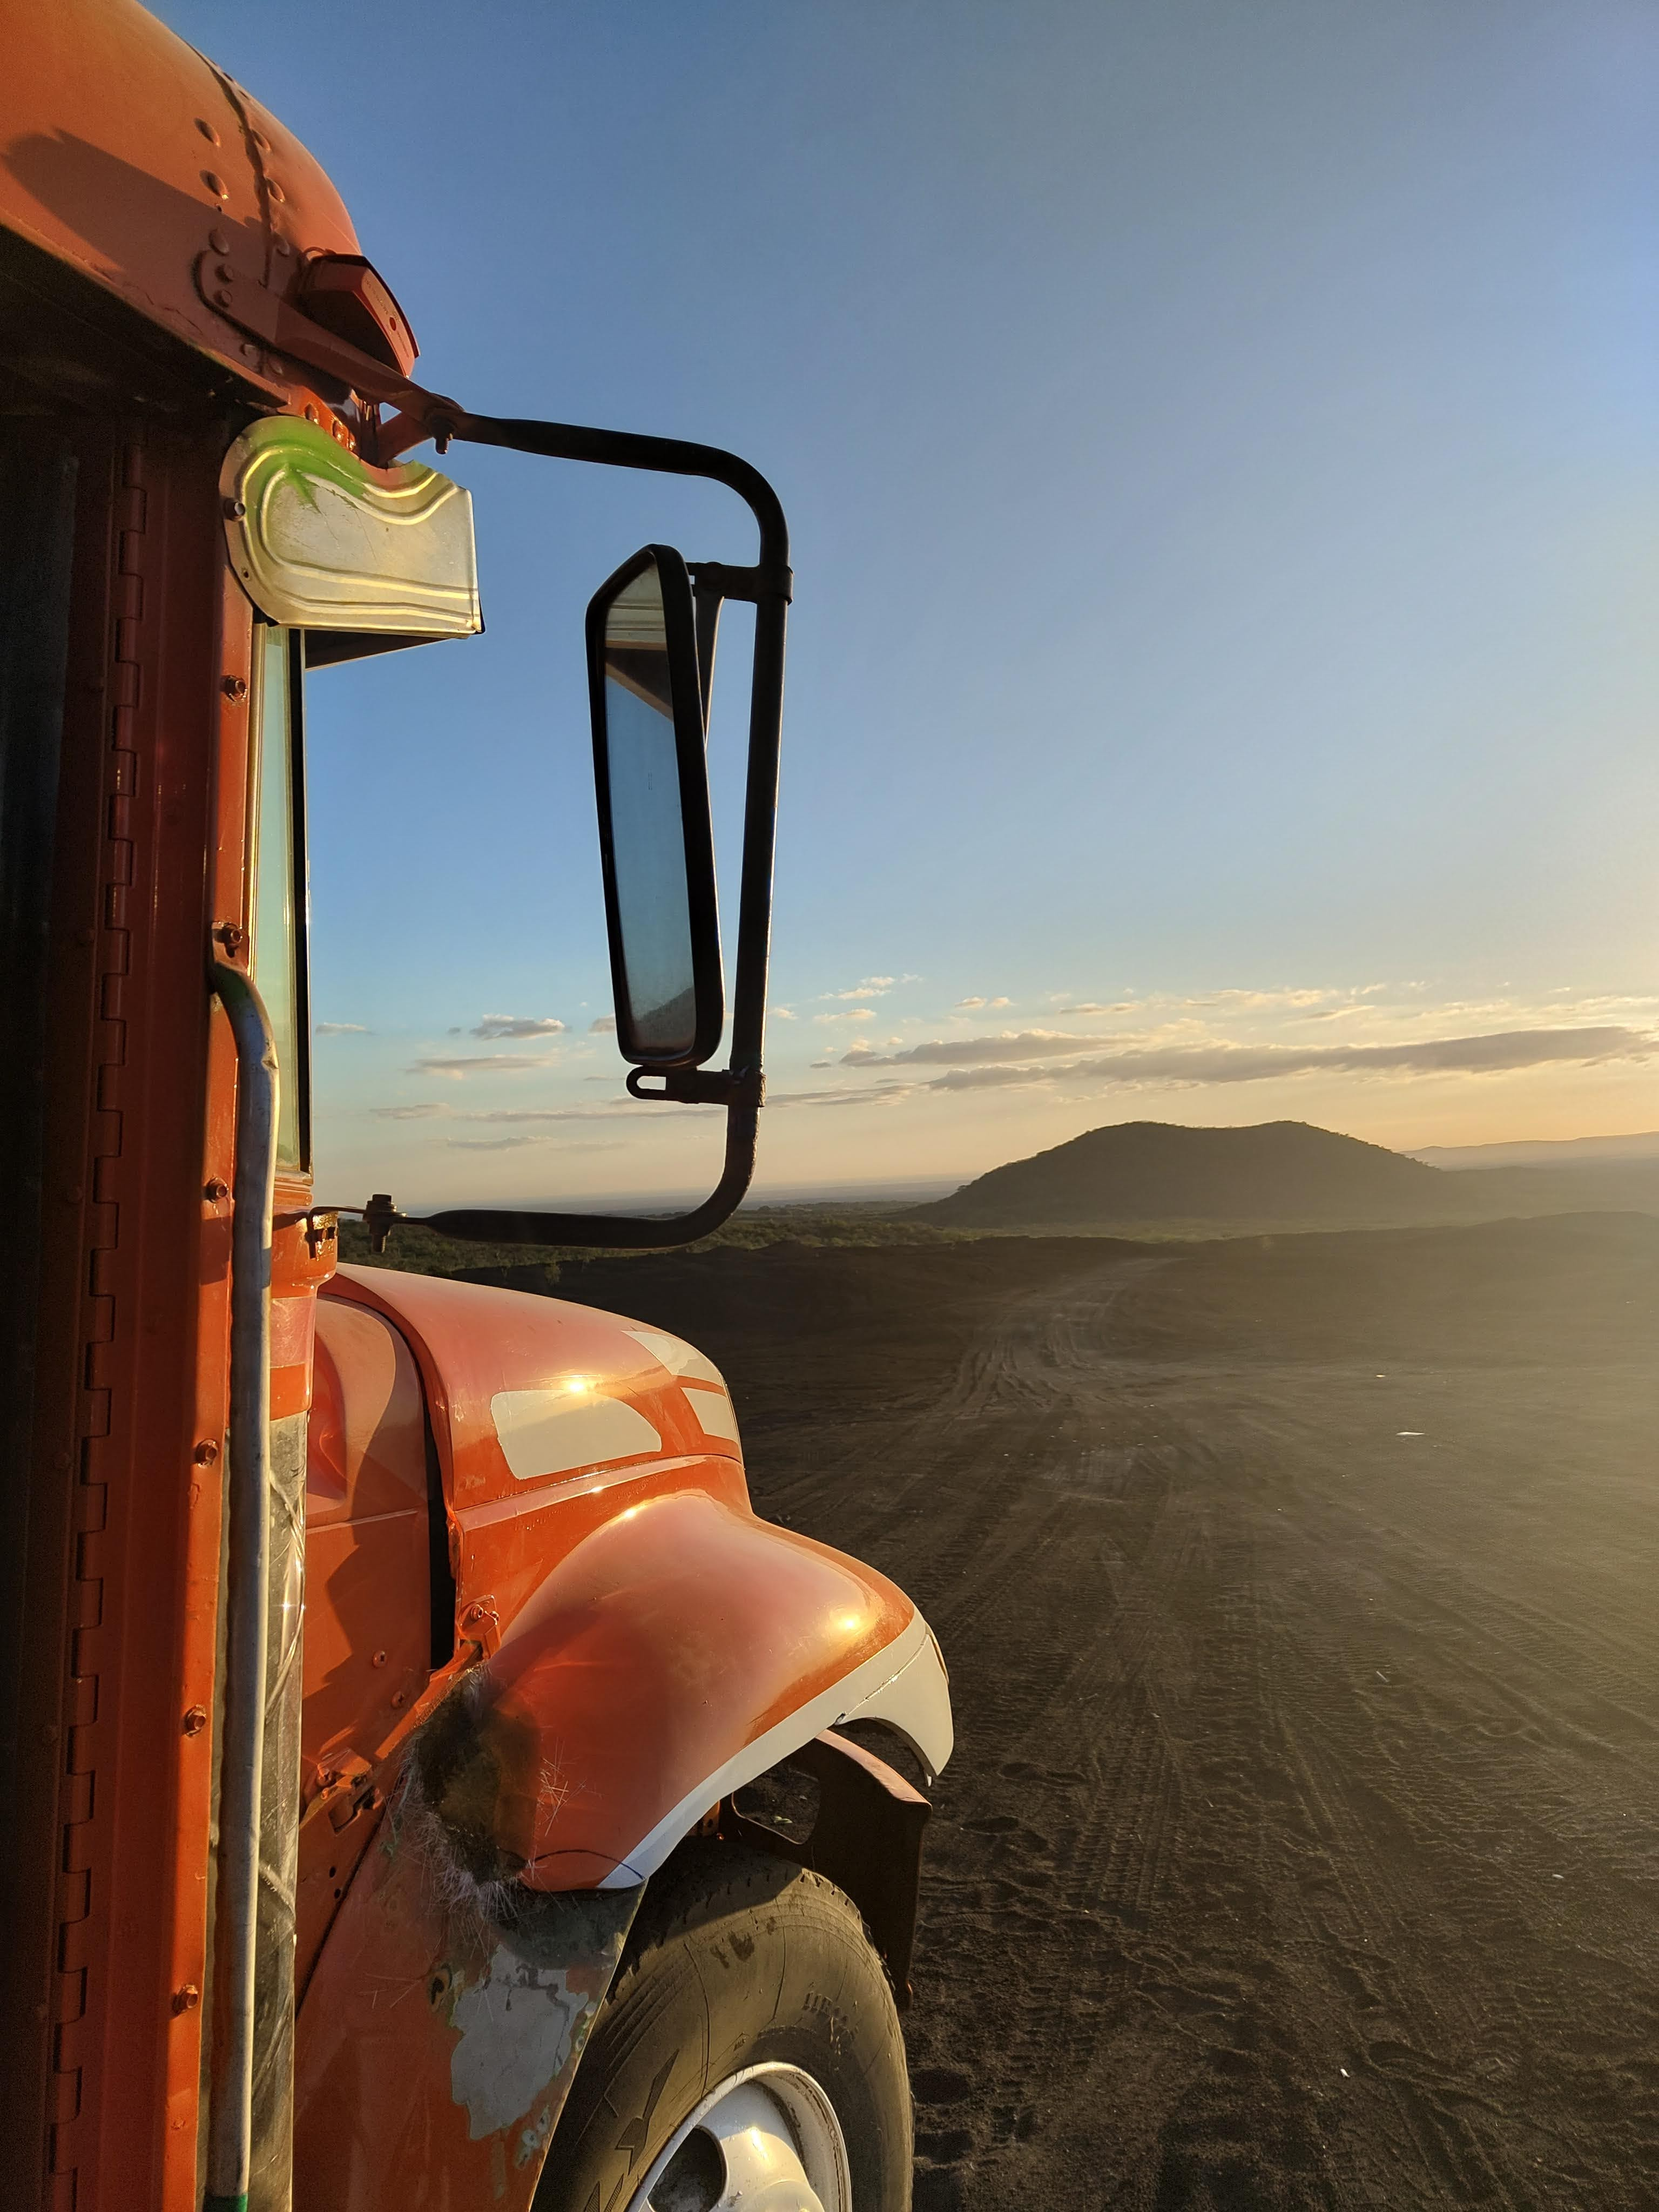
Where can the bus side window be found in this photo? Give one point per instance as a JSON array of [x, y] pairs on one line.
[[279, 902]]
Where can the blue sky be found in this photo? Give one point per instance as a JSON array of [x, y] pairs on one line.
[[1221, 449]]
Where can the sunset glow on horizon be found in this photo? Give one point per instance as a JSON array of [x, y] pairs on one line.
[[1221, 453]]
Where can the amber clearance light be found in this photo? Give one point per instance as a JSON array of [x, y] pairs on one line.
[[347, 295]]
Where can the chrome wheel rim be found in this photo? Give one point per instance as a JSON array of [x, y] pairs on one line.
[[767, 2140]]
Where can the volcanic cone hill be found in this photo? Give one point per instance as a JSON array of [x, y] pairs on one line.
[[1132, 1171]]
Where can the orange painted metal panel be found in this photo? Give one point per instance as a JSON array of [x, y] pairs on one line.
[[127, 155], [133, 1374], [297, 1273], [669, 1639], [482, 1342], [473, 1343], [131, 1383], [624, 1623], [368, 1631], [640, 1624], [442, 2021], [439, 2039]]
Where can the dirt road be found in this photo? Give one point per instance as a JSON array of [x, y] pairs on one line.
[[1301, 1847]]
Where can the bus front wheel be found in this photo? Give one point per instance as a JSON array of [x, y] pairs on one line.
[[749, 2052]]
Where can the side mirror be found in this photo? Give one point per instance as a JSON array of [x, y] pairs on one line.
[[646, 630], [656, 842]]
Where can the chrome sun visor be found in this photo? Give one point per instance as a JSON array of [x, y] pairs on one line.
[[363, 560]]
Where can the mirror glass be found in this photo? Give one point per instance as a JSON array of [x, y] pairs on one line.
[[657, 979]]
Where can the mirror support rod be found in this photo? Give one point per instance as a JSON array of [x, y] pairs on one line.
[[740, 1086], [230, 2095]]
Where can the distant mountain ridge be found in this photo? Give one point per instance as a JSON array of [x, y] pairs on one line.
[[1540, 1151], [1288, 1172], [1162, 1172]]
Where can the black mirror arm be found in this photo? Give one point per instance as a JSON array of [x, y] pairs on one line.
[[615, 1232], [673, 457], [739, 1086]]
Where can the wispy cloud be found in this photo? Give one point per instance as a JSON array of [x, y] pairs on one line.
[[491, 1143], [1500, 1052], [343, 1029], [852, 1014], [517, 1143], [479, 1063], [435, 1110], [1035, 1057], [602, 1025], [876, 1094], [872, 986], [965, 1052], [976, 1003], [516, 1025], [1497, 1053], [1287, 999], [1260, 1001], [519, 1114]]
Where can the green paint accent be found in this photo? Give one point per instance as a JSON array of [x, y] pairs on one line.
[[304, 451], [210, 2203], [390, 551]]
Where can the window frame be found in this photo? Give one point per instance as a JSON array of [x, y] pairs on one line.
[[296, 1078]]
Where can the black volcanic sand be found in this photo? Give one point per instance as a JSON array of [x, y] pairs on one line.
[[1302, 1844]]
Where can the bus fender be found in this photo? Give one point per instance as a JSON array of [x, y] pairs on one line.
[[671, 1655]]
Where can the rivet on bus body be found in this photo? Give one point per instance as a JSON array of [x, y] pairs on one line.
[[213, 1190], [235, 687], [219, 240], [215, 184], [195, 1720], [207, 131], [205, 1453]]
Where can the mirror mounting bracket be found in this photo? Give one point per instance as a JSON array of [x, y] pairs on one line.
[[721, 579], [701, 1086]]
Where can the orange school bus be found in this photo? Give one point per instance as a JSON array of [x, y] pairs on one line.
[[380, 1658]]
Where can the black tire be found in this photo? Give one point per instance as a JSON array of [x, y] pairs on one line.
[[738, 1958]]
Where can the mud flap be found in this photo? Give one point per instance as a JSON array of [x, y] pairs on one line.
[[441, 2029], [866, 1839]]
